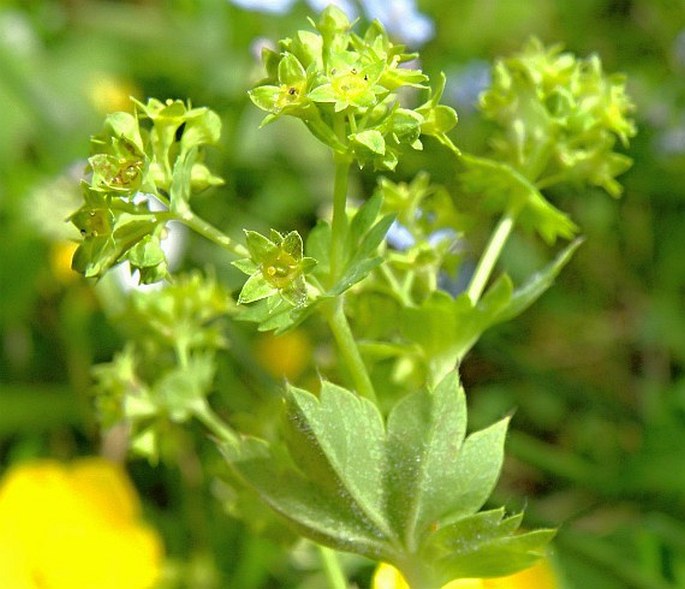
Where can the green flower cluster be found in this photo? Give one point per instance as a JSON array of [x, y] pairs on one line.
[[167, 368], [423, 237], [133, 162], [344, 87], [560, 117]]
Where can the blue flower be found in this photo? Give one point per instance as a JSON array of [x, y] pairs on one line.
[[440, 235], [273, 6], [464, 85], [402, 20], [399, 237], [347, 6], [283, 6]]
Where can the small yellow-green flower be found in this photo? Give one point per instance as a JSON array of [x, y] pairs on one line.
[[351, 86], [276, 265], [540, 576], [74, 526], [289, 94]]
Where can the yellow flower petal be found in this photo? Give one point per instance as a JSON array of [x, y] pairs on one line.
[[74, 527], [388, 577], [539, 576], [61, 254]]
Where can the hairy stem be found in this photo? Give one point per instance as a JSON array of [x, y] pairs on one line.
[[349, 350], [339, 221], [335, 313]]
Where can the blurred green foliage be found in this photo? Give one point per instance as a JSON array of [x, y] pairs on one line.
[[595, 370]]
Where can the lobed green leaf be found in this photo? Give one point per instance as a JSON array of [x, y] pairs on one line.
[[407, 493]]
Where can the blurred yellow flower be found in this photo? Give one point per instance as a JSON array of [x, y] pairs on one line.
[[61, 254], [539, 576], [108, 93], [284, 356], [74, 526]]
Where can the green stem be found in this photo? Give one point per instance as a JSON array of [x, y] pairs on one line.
[[211, 233], [402, 292], [491, 254], [349, 350], [535, 164], [332, 569], [447, 142], [339, 221], [336, 314], [214, 424], [550, 181]]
